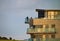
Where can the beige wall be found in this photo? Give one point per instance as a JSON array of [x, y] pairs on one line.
[[48, 21], [44, 21]]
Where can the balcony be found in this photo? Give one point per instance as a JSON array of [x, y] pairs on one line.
[[51, 39], [41, 30]]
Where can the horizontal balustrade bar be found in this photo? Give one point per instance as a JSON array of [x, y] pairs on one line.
[[48, 39], [35, 30]]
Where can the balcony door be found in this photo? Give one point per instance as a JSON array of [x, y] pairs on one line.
[[38, 37]]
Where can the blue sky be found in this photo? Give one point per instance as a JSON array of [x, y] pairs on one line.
[[13, 13]]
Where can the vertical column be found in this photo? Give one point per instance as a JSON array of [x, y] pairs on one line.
[[52, 14], [44, 37], [43, 28], [50, 36]]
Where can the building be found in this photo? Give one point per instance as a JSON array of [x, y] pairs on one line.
[[46, 27]]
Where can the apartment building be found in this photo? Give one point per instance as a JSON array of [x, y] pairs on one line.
[[45, 27]]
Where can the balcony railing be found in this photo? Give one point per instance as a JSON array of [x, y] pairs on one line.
[[51, 39], [35, 30]]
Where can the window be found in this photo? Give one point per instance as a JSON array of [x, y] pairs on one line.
[[33, 26], [47, 36], [38, 28], [51, 15], [57, 15], [47, 26], [39, 36], [32, 36], [53, 25], [41, 14], [53, 36], [53, 29], [41, 26]]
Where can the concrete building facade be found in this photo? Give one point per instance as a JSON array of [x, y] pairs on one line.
[[46, 27]]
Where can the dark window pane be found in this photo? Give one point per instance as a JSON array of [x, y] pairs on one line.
[[41, 14], [53, 36], [53, 25]]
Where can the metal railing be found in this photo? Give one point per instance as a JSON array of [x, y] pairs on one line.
[[50, 39], [35, 30]]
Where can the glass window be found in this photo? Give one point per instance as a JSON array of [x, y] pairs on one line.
[[47, 28], [34, 26], [51, 14], [39, 36], [53, 29], [53, 36], [57, 16], [47, 36], [53, 25], [41, 26]]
